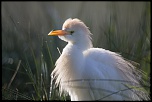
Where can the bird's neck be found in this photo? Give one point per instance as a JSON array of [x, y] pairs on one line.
[[72, 50], [74, 57], [82, 44]]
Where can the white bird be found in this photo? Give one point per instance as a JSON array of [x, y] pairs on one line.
[[88, 73]]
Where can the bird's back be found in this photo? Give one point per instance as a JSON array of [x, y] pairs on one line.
[[110, 77]]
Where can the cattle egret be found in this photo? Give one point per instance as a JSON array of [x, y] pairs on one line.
[[88, 73]]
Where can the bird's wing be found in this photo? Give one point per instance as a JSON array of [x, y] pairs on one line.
[[108, 63], [108, 75]]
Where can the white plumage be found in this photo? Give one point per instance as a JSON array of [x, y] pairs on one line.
[[88, 73]]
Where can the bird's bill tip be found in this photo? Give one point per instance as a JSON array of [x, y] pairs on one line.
[[58, 32]]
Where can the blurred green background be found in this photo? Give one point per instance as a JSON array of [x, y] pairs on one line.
[[122, 27]]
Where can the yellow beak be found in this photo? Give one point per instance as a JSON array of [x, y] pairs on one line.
[[58, 32]]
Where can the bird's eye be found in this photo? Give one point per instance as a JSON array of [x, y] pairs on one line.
[[71, 32]]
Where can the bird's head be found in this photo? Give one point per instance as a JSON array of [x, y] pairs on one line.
[[76, 32]]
